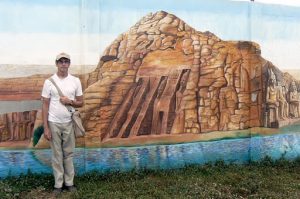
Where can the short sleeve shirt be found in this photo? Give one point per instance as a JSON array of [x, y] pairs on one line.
[[70, 87]]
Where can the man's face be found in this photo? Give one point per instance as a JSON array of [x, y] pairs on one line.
[[63, 64]]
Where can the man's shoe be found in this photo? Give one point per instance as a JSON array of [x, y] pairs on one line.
[[57, 191], [71, 188]]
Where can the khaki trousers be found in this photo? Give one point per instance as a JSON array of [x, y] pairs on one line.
[[62, 145]]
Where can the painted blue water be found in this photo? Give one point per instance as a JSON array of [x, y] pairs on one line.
[[238, 151], [16, 162], [19, 106], [287, 146]]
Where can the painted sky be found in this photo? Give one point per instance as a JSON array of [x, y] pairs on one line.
[[33, 31]]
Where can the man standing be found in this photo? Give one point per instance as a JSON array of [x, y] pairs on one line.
[[58, 126]]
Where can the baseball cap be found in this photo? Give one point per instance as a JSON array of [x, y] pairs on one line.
[[62, 55]]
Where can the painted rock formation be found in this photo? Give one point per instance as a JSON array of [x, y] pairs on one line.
[[281, 97], [164, 77], [17, 126], [26, 88]]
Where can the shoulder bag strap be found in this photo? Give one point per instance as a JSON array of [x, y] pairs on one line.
[[57, 88], [60, 93]]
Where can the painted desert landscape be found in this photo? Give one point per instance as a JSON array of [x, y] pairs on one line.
[[164, 82]]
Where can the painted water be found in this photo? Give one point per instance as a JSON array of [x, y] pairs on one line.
[[238, 151], [19, 106]]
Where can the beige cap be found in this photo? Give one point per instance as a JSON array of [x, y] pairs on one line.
[[62, 55]]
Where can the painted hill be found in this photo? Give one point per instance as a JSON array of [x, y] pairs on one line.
[[164, 77]]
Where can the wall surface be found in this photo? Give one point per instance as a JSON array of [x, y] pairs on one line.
[[166, 84]]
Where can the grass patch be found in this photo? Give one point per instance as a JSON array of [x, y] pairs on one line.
[[265, 179]]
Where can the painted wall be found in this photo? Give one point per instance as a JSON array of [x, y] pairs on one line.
[[166, 84]]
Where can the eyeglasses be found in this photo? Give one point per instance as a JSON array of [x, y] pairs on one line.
[[63, 61]]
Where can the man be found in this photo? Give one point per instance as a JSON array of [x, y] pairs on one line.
[[58, 127]]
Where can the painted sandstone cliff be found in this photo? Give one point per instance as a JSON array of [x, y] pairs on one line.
[[163, 77], [17, 126]]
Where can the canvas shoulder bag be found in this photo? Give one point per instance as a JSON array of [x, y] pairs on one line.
[[79, 130]]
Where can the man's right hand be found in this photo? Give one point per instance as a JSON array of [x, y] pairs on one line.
[[47, 134]]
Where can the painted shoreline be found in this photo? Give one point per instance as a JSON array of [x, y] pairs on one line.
[[191, 138], [143, 140], [167, 139]]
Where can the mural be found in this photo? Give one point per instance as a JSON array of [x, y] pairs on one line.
[[165, 94]]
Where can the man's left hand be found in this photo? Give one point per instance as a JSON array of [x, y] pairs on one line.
[[65, 100]]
